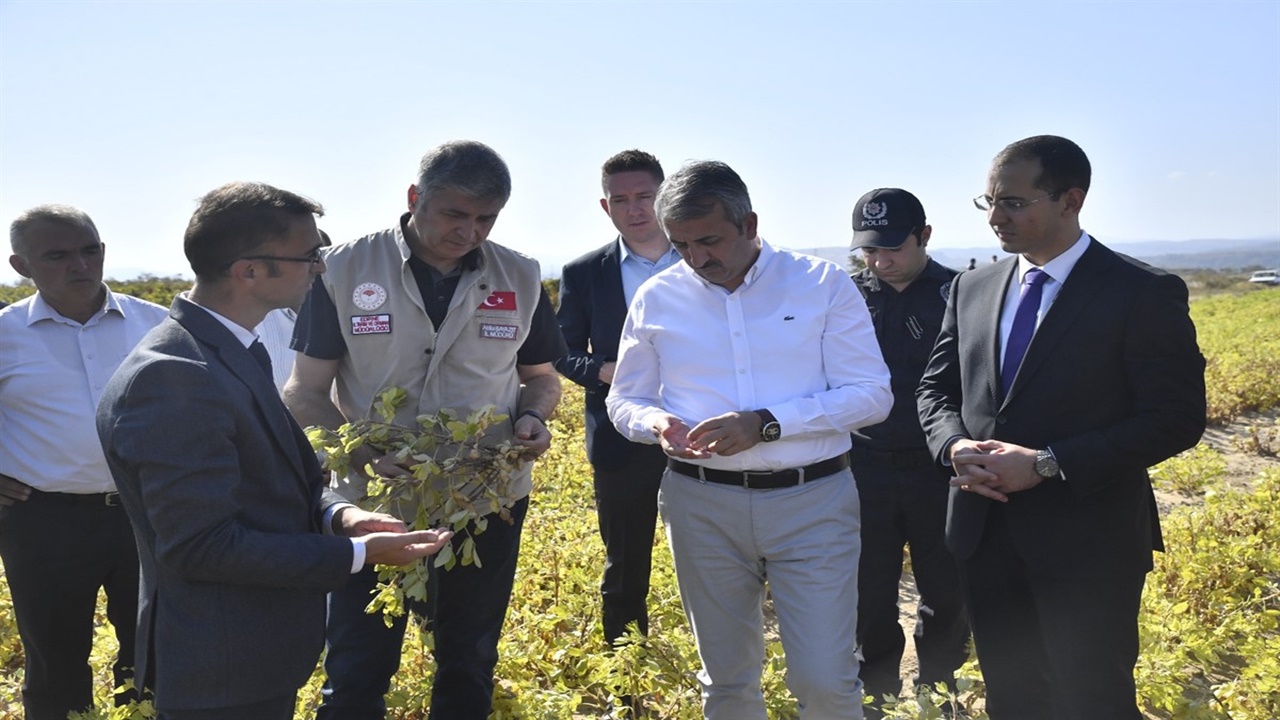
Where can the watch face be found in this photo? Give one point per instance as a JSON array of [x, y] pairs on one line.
[[1046, 466], [771, 431]]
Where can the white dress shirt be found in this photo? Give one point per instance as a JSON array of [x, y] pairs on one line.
[[795, 338], [52, 373], [276, 332], [1057, 269]]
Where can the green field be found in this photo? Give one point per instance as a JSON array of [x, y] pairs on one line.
[[1210, 624]]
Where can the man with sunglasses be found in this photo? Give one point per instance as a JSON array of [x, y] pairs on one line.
[[234, 528], [903, 492], [1060, 374]]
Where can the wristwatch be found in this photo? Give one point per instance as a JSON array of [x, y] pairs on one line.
[[1047, 464], [770, 430]]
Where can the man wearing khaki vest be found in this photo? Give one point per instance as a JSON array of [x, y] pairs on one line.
[[459, 322]]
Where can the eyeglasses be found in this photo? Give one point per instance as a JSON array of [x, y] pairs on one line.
[[312, 257], [986, 203]]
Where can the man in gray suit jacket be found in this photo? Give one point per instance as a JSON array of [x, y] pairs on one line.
[[235, 532], [1059, 376]]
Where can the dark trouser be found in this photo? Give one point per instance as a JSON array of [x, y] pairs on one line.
[[465, 608], [627, 508], [1050, 648], [904, 503], [58, 550], [277, 708]]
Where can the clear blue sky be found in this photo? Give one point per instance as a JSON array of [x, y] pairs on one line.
[[132, 110]]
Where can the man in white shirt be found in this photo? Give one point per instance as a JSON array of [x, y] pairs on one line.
[[750, 365], [58, 348]]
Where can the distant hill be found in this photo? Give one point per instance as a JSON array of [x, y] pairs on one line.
[[1168, 254]]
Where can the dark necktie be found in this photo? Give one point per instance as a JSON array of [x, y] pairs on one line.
[[259, 353], [1024, 326]]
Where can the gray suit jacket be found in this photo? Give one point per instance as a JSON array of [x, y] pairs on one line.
[[226, 503], [1113, 383]]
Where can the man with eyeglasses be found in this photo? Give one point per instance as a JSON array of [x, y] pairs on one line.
[[1059, 376], [903, 492], [433, 307], [234, 526], [58, 347], [276, 329]]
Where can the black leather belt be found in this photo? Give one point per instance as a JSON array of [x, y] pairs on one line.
[[109, 499], [762, 479]]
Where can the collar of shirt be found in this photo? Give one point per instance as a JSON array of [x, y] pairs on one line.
[[636, 269], [246, 337], [40, 310], [471, 261], [1057, 269]]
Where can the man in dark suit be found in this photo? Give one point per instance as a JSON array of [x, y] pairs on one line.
[[595, 290], [1059, 376], [234, 530]]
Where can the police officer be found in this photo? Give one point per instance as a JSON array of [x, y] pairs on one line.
[[903, 492]]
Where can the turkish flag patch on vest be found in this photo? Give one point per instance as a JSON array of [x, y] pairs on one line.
[[499, 300]]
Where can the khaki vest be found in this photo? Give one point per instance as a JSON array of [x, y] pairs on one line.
[[469, 363]]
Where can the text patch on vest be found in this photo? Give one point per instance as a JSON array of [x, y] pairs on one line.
[[370, 324], [499, 332]]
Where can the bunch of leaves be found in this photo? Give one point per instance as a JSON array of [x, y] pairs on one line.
[[1210, 628], [455, 474]]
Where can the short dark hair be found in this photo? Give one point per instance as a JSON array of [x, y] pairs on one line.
[[464, 166], [237, 218], [696, 188], [631, 161], [50, 213], [1063, 165]]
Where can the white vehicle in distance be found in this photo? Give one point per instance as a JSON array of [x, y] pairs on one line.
[[1266, 277]]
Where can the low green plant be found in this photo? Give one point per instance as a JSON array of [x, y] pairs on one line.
[[1191, 471]]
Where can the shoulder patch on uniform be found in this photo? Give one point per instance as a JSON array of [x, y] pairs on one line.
[[945, 290]]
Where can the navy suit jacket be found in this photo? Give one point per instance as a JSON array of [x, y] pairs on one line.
[[226, 502], [1113, 383], [592, 311]]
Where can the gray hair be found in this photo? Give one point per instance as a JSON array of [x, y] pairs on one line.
[[464, 166], [693, 191], [53, 213]]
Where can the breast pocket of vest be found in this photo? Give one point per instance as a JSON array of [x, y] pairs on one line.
[[498, 326]]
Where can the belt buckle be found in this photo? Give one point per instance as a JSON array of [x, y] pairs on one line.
[[112, 499], [746, 476]]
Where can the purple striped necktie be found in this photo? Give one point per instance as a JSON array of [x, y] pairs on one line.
[[1024, 326]]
